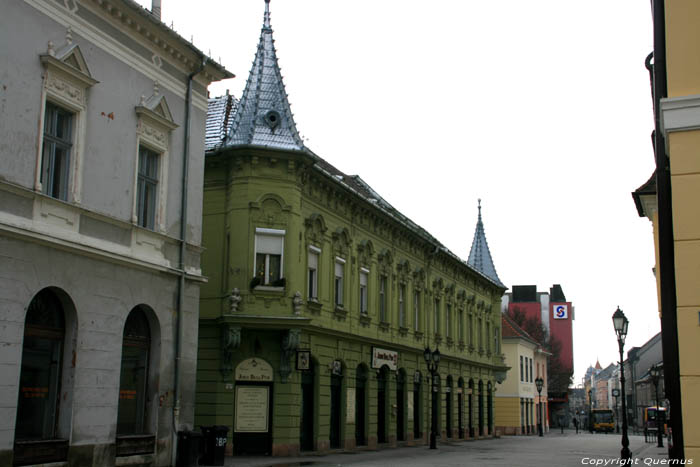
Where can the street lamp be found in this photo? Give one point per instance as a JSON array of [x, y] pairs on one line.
[[655, 373], [621, 323], [432, 359], [590, 410], [539, 382], [616, 394]]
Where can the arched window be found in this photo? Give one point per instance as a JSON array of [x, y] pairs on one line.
[[40, 377], [133, 381]]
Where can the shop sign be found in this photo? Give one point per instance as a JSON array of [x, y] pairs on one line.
[[560, 312], [381, 357], [252, 408], [254, 370], [410, 408]]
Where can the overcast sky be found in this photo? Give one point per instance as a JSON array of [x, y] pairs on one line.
[[541, 109]]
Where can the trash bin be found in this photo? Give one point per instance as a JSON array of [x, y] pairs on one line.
[[188, 448], [214, 444]]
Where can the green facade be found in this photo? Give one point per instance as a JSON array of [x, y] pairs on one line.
[[250, 193]]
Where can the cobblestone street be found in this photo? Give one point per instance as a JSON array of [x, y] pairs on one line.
[[554, 449]]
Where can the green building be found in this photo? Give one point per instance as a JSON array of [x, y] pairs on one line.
[[322, 297]]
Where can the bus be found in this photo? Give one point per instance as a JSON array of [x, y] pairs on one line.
[[603, 420], [653, 417]]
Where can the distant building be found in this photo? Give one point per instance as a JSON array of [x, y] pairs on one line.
[[556, 314], [518, 404], [100, 275]]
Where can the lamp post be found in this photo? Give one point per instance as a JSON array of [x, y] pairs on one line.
[[616, 394], [590, 410], [621, 323], [655, 373], [432, 359], [539, 382]]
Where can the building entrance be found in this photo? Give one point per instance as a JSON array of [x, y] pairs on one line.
[[336, 385], [306, 430], [252, 431]]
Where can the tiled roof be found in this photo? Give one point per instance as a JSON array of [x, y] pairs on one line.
[[219, 120], [510, 329], [480, 256], [264, 117]]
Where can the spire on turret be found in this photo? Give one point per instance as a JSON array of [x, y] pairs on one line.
[[480, 256], [264, 117]]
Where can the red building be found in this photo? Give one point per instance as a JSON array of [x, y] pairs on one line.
[[556, 314]]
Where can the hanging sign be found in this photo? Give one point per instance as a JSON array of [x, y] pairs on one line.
[[254, 369], [381, 357], [560, 312]]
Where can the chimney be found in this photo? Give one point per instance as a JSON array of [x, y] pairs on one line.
[[155, 9]]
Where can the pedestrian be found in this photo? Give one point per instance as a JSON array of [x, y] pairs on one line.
[[576, 424]]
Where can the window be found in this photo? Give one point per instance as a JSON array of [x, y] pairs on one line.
[[313, 273], [147, 188], [269, 250], [496, 338], [488, 338], [131, 414], [522, 374], [460, 323], [364, 274], [338, 283], [481, 340], [416, 311], [471, 331], [382, 299], [40, 377], [402, 311], [55, 160], [448, 320], [531, 371], [437, 316]]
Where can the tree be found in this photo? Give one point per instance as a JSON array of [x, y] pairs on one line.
[[560, 377]]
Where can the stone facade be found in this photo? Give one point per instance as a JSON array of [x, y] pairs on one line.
[[92, 85]]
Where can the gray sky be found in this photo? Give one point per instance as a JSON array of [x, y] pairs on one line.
[[541, 109]]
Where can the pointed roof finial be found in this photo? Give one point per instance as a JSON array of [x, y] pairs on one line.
[[266, 22], [480, 256]]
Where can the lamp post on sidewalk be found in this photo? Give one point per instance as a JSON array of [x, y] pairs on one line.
[[621, 323], [655, 373], [539, 382], [432, 359], [590, 410]]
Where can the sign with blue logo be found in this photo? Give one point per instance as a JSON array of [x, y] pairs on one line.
[[561, 312]]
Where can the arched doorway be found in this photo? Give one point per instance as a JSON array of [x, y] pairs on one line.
[[448, 407], [382, 377], [460, 407], [306, 431], [417, 379], [400, 405], [39, 402], [361, 405], [480, 404], [336, 404], [133, 378], [470, 411]]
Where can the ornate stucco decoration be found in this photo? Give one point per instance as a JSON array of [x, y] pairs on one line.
[[297, 303], [365, 251], [315, 229], [230, 342], [234, 300], [290, 343], [341, 242]]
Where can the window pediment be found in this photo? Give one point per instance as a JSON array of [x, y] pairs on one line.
[[156, 109], [69, 60]]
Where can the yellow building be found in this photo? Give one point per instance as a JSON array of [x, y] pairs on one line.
[[518, 405], [670, 201]]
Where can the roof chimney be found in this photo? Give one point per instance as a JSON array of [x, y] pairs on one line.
[[155, 9]]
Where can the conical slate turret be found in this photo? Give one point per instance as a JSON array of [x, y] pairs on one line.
[[480, 256], [264, 117]]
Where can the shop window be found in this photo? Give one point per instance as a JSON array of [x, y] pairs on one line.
[[269, 253], [40, 377], [133, 381]]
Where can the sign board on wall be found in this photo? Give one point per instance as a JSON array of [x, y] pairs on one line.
[[560, 312], [254, 369], [410, 407], [252, 409], [381, 357]]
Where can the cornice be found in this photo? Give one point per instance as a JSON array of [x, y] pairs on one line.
[[680, 114]]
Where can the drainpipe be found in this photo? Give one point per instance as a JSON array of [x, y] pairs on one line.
[[669, 319], [183, 244]]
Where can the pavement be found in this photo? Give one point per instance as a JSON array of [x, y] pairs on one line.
[[552, 449]]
